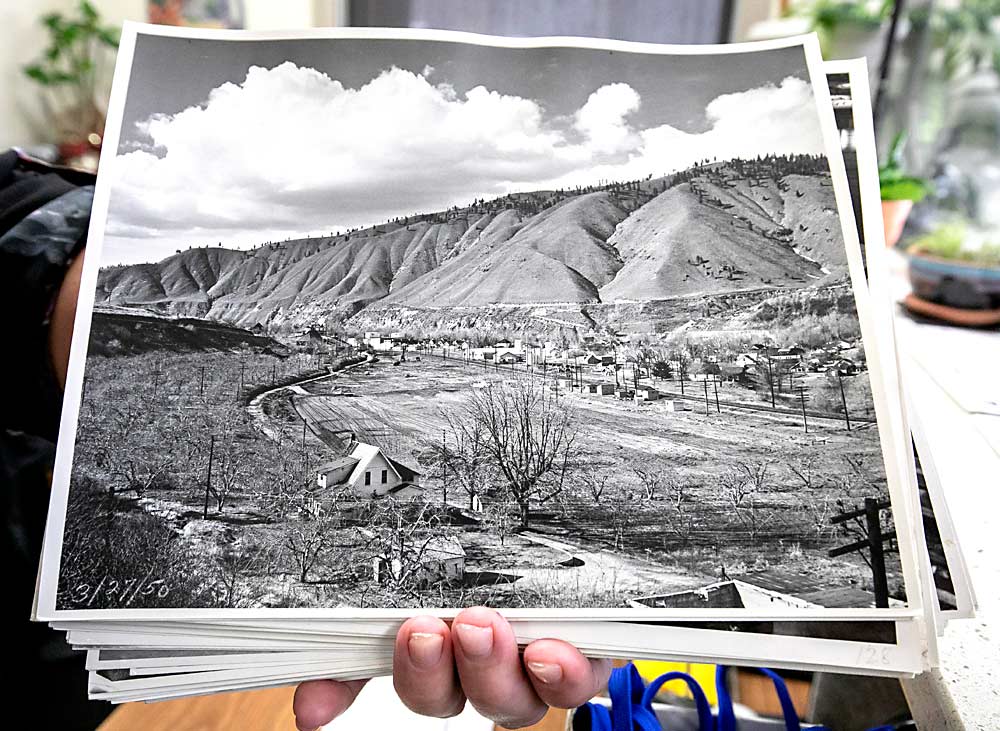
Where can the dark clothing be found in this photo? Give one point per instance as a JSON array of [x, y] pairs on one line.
[[44, 213]]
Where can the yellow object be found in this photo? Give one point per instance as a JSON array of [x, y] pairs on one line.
[[704, 674]]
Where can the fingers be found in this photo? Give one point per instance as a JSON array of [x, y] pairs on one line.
[[561, 676], [424, 668], [490, 669], [317, 702]]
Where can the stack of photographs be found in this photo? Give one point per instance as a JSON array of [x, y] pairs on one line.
[[381, 323]]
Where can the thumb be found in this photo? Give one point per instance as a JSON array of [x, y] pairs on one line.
[[317, 702]]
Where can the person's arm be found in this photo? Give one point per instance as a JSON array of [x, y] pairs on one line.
[[437, 668], [63, 314]]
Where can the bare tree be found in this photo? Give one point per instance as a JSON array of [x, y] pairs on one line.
[[680, 513], [596, 483], [498, 517], [805, 470], [654, 475], [741, 486], [231, 469], [307, 541], [624, 505], [234, 567], [464, 455], [529, 437], [398, 537]]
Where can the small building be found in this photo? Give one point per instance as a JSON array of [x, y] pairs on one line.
[[439, 559], [732, 372], [705, 371], [443, 559], [676, 404], [508, 358], [601, 389], [646, 393], [845, 367], [370, 474], [336, 471], [731, 594]]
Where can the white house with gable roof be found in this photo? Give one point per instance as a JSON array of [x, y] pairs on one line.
[[370, 473]]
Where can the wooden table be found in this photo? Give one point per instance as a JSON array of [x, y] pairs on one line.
[[259, 710]]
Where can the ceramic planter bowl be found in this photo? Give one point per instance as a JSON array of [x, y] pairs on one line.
[[958, 291]]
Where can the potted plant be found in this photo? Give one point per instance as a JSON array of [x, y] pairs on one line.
[[954, 277], [71, 74], [850, 28], [899, 191]]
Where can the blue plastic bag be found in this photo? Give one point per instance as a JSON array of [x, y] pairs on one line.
[[632, 704]]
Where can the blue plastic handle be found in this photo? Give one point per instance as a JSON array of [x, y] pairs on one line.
[[632, 704], [727, 718]]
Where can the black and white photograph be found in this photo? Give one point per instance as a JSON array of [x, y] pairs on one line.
[[395, 322]]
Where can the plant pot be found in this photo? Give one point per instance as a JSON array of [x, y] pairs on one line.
[[894, 214], [960, 292]]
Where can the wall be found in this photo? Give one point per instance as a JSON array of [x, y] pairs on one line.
[[20, 122]]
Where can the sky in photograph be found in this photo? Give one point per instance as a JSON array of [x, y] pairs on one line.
[[247, 141]]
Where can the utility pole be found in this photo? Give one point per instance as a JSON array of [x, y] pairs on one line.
[[873, 541], [802, 400], [843, 398], [208, 478], [874, 523], [770, 379], [705, 384], [715, 385], [444, 468]]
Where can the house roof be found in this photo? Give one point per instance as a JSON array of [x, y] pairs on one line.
[[364, 453], [442, 548], [400, 464], [337, 464]]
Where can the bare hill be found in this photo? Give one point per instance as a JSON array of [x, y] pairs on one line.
[[123, 333], [558, 255], [713, 229]]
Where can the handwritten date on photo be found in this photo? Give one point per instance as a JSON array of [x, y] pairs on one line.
[[109, 591]]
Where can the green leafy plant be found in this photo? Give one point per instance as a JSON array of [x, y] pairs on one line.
[[828, 15], [894, 184], [948, 241], [967, 34], [68, 69]]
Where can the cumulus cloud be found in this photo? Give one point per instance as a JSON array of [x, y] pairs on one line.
[[602, 119], [291, 149]]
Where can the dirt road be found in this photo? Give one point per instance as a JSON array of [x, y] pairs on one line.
[[604, 571]]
